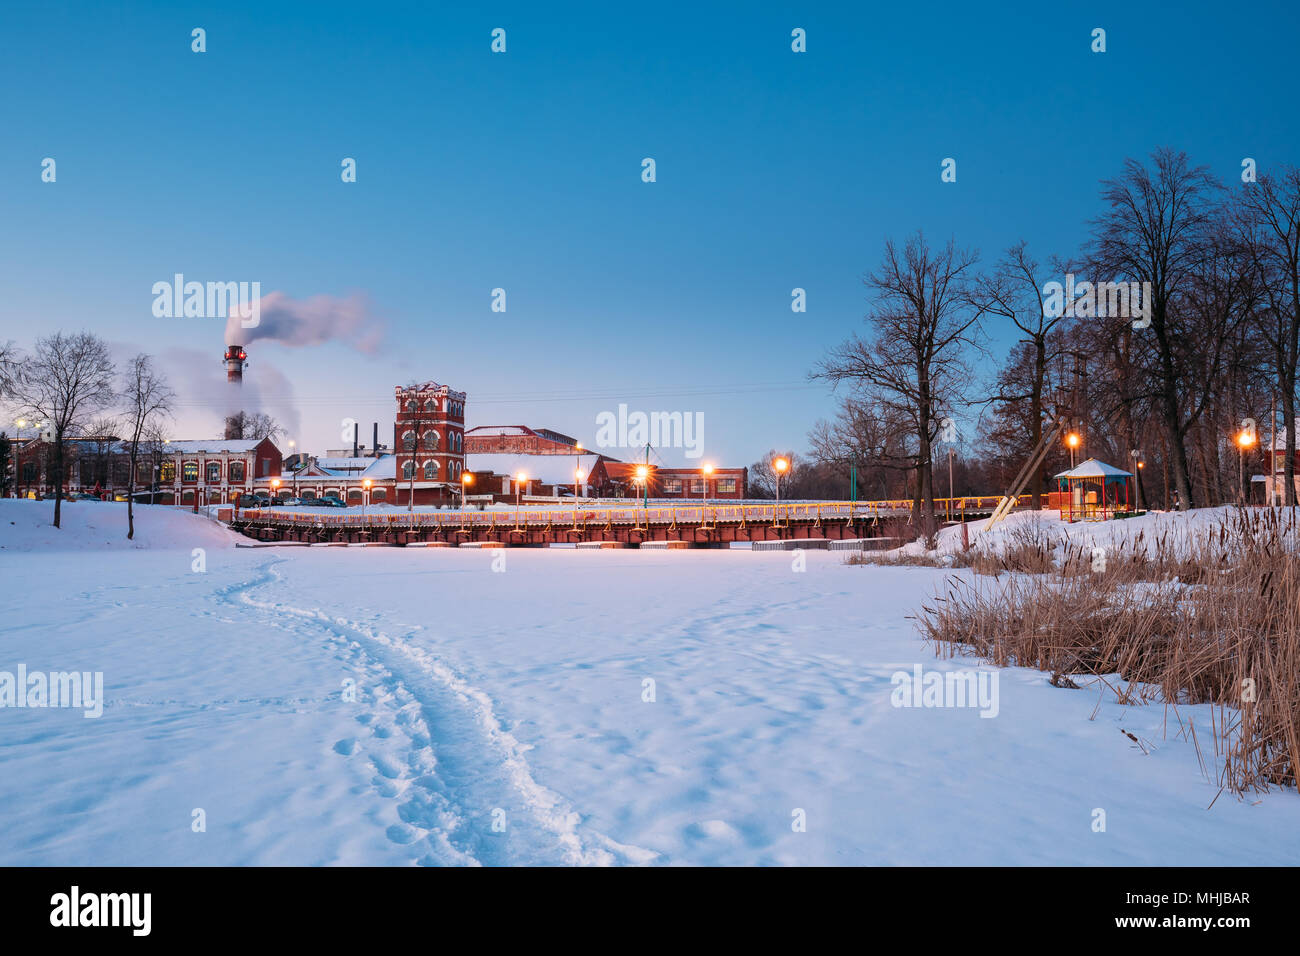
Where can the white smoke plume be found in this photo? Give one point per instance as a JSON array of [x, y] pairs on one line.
[[312, 321], [204, 398]]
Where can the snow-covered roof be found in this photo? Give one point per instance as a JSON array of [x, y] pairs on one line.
[[385, 467], [1092, 468], [189, 446], [548, 469], [346, 465]]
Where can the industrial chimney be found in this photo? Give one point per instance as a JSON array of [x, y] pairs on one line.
[[235, 359]]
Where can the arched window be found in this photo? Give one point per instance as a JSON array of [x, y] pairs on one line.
[[430, 406], [378, 494], [408, 439], [190, 471], [408, 469], [236, 471], [412, 406], [431, 439], [168, 471], [430, 470]]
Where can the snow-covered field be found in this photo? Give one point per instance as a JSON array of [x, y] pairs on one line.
[[502, 715]]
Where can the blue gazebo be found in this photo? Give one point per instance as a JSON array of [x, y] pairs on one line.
[[1094, 491]]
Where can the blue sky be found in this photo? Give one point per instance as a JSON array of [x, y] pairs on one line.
[[522, 170]]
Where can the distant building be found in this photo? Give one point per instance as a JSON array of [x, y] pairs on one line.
[[518, 440]]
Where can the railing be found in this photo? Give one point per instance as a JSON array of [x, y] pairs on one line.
[[634, 515]]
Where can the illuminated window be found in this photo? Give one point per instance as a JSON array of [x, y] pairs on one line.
[[190, 471], [726, 484], [168, 471]]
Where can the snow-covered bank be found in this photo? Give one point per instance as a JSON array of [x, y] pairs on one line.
[[27, 525], [504, 713]]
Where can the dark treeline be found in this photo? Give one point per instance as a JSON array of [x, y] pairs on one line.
[[1170, 334]]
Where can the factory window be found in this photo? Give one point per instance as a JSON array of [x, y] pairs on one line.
[[29, 471], [379, 494], [214, 472], [187, 496], [408, 439], [168, 472], [236, 471], [431, 439], [190, 471], [726, 484], [430, 470], [411, 406], [697, 486], [354, 494], [673, 486], [307, 494], [408, 469], [430, 406]]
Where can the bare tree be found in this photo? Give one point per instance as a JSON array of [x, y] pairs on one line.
[[1158, 227], [147, 399], [1015, 292], [914, 365], [252, 425], [66, 380], [1268, 221]]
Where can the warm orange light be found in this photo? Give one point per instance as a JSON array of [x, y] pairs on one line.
[[579, 446], [1246, 439], [467, 478], [577, 473], [275, 483], [641, 472], [366, 484], [707, 469], [781, 466], [521, 477], [1072, 440]]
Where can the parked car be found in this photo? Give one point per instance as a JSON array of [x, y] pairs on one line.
[[331, 501], [85, 496], [290, 502], [263, 499], [249, 501]]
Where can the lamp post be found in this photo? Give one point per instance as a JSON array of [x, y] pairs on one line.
[[578, 476], [577, 468], [1072, 440], [780, 466], [643, 476], [18, 434], [519, 482], [466, 479], [275, 487], [365, 497], [705, 471], [1245, 440]]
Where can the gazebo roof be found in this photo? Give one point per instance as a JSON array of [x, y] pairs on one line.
[[1092, 468]]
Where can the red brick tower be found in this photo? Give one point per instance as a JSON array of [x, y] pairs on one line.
[[429, 441]]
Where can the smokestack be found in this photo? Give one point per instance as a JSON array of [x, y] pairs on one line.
[[356, 430], [374, 447], [235, 359]]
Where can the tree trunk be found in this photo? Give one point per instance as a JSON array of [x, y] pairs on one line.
[[58, 478], [130, 500]]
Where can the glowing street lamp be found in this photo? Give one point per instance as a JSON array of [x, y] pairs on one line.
[[643, 476], [1072, 440], [365, 497], [780, 466], [706, 471], [519, 482], [1244, 440], [466, 479]]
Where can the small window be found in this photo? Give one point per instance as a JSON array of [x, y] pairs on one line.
[[408, 469], [727, 485], [697, 486], [354, 494], [236, 471], [673, 486], [308, 494], [412, 406], [190, 471], [431, 439], [214, 472], [408, 439], [378, 494], [168, 472], [430, 470]]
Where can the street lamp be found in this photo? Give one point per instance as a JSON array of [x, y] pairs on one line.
[[519, 481], [1245, 440], [643, 476], [365, 497], [706, 470], [578, 476], [780, 466], [275, 488], [1072, 440], [466, 479]]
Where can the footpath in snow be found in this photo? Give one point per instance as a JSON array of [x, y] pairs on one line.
[[394, 706]]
